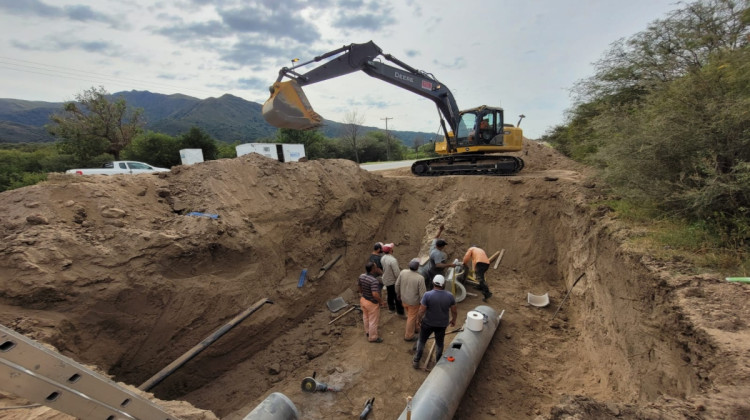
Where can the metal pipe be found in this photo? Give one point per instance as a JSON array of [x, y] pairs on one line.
[[568, 294], [177, 363], [441, 392], [275, 407]]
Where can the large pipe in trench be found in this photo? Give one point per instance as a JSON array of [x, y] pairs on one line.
[[177, 363], [441, 392], [276, 406]]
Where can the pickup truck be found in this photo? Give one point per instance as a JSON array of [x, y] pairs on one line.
[[119, 167]]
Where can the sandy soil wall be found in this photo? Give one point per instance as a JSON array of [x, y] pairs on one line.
[[113, 272]]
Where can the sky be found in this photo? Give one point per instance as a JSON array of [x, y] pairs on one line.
[[522, 55]]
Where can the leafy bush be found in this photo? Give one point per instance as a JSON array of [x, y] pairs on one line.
[[154, 148], [688, 146], [199, 139], [22, 165], [665, 118]]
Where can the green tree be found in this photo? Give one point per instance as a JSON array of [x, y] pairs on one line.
[[227, 150], [687, 149], [352, 131], [199, 139], [317, 146], [373, 147], [157, 149], [665, 117], [668, 50], [93, 125], [579, 138]]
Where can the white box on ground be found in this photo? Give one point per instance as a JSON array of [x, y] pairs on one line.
[[292, 152], [280, 151], [265, 149], [191, 156]]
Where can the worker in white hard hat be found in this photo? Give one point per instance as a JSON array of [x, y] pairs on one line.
[[437, 311]]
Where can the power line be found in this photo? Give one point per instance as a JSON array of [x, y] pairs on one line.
[[69, 70], [83, 75]]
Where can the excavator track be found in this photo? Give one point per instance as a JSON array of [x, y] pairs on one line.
[[472, 164]]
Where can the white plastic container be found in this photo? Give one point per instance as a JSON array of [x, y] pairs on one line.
[[191, 156], [265, 149], [475, 321], [292, 152]]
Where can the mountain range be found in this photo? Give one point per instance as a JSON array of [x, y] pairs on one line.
[[227, 118]]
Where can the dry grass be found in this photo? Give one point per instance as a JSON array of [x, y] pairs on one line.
[[676, 240]]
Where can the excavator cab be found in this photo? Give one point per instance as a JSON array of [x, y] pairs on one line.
[[288, 107], [484, 127], [482, 130]]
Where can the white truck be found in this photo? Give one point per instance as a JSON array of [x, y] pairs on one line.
[[119, 167]]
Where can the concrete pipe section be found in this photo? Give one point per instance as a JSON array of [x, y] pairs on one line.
[[276, 406], [441, 392]]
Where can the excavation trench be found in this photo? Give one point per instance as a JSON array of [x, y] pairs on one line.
[[130, 294]]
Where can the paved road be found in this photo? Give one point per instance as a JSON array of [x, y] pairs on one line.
[[387, 165]]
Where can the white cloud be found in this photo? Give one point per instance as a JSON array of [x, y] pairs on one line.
[[521, 55]]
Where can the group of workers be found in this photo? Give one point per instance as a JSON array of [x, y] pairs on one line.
[[418, 292]]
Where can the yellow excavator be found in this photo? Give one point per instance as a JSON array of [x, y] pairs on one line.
[[473, 139]]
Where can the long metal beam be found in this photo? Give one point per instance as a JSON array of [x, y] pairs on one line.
[[34, 372]]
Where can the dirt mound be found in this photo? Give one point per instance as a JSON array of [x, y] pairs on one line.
[[129, 272]]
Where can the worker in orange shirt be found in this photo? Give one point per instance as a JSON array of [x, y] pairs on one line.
[[479, 263], [478, 135]]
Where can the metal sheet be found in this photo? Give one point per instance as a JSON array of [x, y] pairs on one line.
[[337, 304]]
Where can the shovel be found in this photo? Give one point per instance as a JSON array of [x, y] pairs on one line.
[[327, 267], [342, 315]]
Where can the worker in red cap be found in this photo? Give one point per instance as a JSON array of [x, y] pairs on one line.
[[390, 274]]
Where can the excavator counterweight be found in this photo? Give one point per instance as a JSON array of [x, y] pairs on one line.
[[288, 107]]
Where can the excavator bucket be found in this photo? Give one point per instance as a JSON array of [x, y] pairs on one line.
[[288, 107]]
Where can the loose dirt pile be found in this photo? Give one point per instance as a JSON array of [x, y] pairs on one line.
[[115, 273]]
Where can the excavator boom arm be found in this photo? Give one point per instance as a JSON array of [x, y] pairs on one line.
[[288, 106]]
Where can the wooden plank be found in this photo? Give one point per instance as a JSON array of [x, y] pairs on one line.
[[500, 258], [340, 316], [492, 258], [429, 355]]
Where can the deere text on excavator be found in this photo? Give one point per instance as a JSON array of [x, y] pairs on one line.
[[473, 136]]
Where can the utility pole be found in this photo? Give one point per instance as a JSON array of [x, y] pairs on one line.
[[387, 138]]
